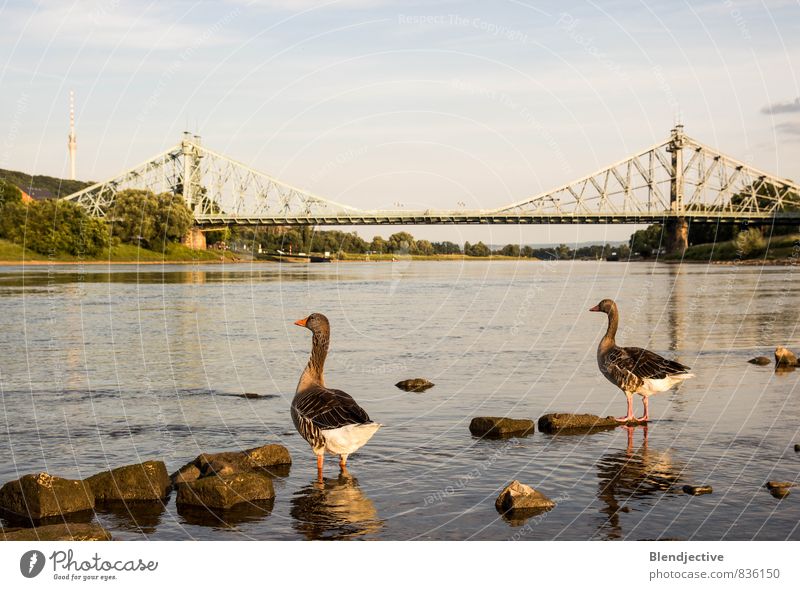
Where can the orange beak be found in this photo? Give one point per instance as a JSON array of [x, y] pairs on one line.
[[595, 308], [301, 322]]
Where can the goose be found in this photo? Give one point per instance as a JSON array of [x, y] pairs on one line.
[[328, 419], [634, 370]]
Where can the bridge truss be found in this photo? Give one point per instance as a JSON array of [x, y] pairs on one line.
[[678, 179]]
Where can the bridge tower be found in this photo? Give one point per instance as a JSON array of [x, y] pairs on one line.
[[677, 237], [192, 187]]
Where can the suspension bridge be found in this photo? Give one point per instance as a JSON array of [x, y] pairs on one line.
[[673, 182]]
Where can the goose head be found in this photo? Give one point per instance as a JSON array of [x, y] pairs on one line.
[[606, 306], [316, 322]]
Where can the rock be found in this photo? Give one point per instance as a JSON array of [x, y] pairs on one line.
[[186, 474], [785, 357], [576, 423], [780, 492], [517, 497], [697, 490], [760, 360], [773, 485], [228, 463], [40, 495], [140, 482], [221, 492], [495, 427], [414, 384], [57, 532], [797, 448]]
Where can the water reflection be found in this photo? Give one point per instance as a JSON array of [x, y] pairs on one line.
[[632, 474], [226, 519], [140, 517], [334, 508]]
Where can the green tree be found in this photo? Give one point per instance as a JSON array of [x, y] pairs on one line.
[[378, 244], [9, 193], [480, 249], [139, 216], [423, 247], [510, 250], [401, 242], [645, 242]]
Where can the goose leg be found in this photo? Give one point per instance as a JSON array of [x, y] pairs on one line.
[[343, 462], [646, 416], [320, 461], [630, 415]]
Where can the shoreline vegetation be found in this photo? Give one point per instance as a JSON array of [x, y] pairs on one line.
[[141, 227]]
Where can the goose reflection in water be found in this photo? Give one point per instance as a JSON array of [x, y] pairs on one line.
[[334, 508], [632, 474]]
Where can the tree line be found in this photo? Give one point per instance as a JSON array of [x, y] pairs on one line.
[[53, 227]]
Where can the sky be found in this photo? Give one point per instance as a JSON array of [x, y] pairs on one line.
[[384, 104]]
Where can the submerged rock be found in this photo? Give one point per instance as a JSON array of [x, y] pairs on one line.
[[785, 357], [697, 490], [797, 448], [779, 485], [414, 384], [577, 423], [231, 462], [140, 482], [57, 532], [41, 495], [760, 360], [497, 427], [225, 491], [517, 497]]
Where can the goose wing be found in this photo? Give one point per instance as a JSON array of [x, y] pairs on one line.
[[646, 364], [327, 408]]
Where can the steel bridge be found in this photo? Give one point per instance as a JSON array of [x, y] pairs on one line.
[[677, 180]]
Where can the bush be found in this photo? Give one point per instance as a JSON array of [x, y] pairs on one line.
[[140, 216], [54, 227], [750, 241]]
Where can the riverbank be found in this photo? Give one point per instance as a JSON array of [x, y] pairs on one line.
[[780, 250]]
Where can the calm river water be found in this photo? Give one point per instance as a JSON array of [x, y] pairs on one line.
[[102, 367]]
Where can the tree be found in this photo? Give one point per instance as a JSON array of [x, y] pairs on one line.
[[647, 241], [480, 249], [446, 248], [54, 227], [510, 250], [423, 247], [9, 193], [139, 216], [378, 244], [401, 242]]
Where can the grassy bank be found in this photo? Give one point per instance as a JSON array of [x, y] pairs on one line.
[[344, 257], [122, 253], [778, 249]]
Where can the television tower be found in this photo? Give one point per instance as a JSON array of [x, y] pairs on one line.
[[72, 143]]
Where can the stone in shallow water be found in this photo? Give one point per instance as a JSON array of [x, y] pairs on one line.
[[221, 492], [797, 448], [697, 490], [41, 495], [414, 384], [498, 427], [773, 484], [760, 360], [57, 532], [785, 357], [228, 463], [577, 423], [518, 498], [141, 482]]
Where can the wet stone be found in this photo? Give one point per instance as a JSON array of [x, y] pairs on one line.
[[697, 490], [518, 498], [577, 423], [498, 427], [146, 481], [264, 458], [414, 385], [773, 485], [785, 357], [760, 360], [221, 492], [42, 495]]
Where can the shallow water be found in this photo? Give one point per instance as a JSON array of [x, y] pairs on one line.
[[102, 367]]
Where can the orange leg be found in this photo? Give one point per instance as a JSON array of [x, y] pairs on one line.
[[320, 461], [629, 416], [343, 461]]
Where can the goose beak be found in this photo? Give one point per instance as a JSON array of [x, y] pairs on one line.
[[595, 308], [301, 322]]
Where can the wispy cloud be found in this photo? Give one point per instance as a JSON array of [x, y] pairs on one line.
[[777, 108]]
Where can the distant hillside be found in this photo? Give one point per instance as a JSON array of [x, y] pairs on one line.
[[58, 187]]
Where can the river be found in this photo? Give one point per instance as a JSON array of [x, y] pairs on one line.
[[107, 366]]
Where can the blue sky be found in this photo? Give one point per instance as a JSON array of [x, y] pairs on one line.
[[428, 104]]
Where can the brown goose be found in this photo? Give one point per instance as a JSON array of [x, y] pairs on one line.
[[634, 370], [328, 419]]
